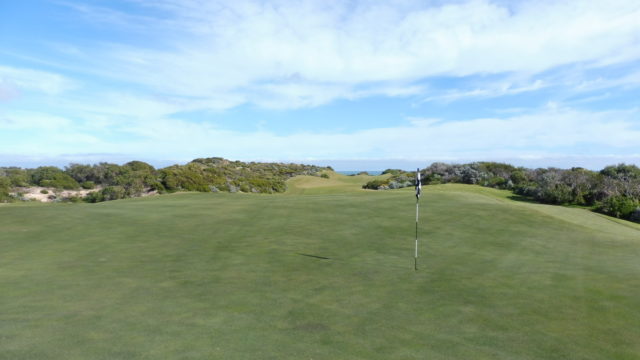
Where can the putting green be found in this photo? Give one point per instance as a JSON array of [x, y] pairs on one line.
[[322, 272]]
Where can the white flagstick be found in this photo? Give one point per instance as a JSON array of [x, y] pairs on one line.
[[418, 191], [415, 257]]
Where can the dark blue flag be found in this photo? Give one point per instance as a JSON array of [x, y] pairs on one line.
[[418, 184]]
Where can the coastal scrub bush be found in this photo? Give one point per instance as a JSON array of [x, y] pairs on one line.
[[80, 173], [88, 185], [5, 186], [113, 193], [18, 177], [618, 206], [60, 181], [376, 184], [94, 197], [51, 176], [393, 171], [621, 171]]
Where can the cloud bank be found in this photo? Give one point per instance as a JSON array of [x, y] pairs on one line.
[[293, 54]]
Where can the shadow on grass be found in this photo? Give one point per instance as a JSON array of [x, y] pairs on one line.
[[361, 263], [314, 256], [522, 199]]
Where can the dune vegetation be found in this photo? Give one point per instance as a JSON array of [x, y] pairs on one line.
[[614, 190], [106, 181]]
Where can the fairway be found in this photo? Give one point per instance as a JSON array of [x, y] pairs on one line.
[[324, 271]]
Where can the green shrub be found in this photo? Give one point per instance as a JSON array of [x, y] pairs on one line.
[[94, 197], [5, 186], [375, 184], [106, 194], [72, 199], [189, 177], [621, 171], [157, 186], [496, 182], [558, 194], [139, 166], [88, 185], [619, 206], [64, 181], [113, 193], [518, 177], [5, 183], [393, 171], [80, 173], [324, 175], [17, 176], [51, 176], [432, 179], [44, 191], [44, 173]]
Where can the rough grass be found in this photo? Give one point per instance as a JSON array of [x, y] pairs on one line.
[[230, 276]]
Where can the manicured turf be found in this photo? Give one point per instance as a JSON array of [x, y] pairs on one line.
[[335, 184], [242, 276]]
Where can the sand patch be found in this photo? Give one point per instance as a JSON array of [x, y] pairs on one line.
[[36, 193]]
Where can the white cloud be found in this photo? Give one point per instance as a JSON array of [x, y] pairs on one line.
[[7, 92], [32, 133], [544, 131], [150, 133], [496, 89], [25, 80], [628, 81], [538, 134], [25, 120], [312, 52], [217, 55], [566, 84]]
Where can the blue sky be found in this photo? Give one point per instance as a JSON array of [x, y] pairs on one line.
[[352, 84]]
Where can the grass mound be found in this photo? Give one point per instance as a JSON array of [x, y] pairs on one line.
[[335, 183]]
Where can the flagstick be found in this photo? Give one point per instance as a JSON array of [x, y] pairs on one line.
[[415, 257], [418, 191]]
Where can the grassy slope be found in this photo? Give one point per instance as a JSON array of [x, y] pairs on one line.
[[222, 276], [335, 184]]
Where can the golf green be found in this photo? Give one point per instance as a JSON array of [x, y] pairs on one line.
[[322, 272]]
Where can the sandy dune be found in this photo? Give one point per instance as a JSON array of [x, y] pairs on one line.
[[35, 193]]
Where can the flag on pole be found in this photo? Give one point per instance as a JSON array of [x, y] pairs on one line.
[[418, 191], [418, 184]]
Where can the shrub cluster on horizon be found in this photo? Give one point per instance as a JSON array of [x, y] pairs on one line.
[[614, 190], [135, 178]]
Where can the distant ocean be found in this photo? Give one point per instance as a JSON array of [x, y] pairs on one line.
[[354, 172]]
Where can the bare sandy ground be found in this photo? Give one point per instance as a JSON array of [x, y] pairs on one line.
[[149, 193], [35, 193]]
